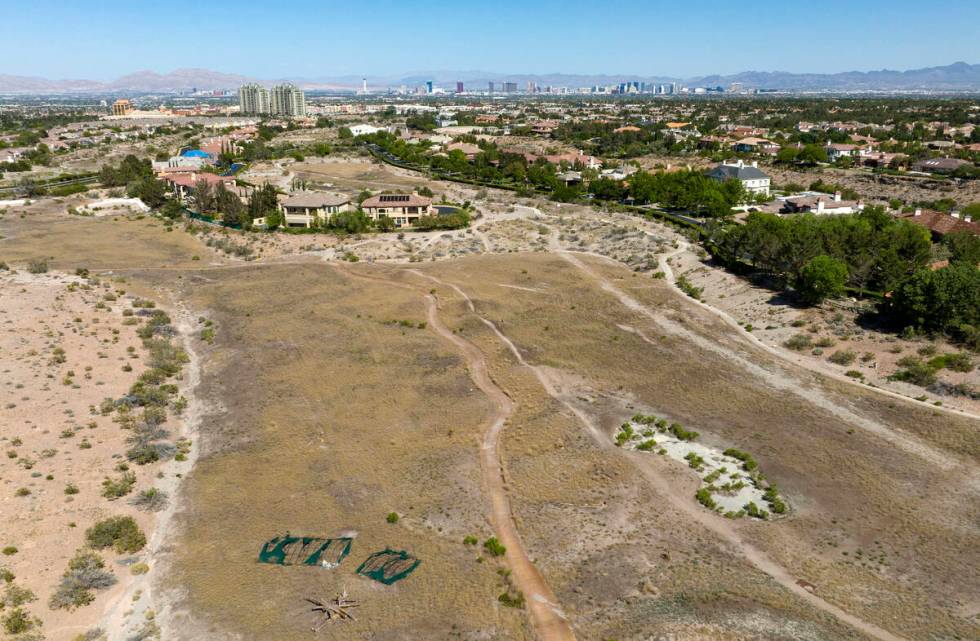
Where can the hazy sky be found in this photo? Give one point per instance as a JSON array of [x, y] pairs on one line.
[[278, 38]]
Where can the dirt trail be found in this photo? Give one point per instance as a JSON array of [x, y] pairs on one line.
[[647, 466], [782, 379], [139, 598], [547, 619], [775, 351]]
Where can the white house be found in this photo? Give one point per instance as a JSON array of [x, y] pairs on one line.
[[364, 130], [753, 179]]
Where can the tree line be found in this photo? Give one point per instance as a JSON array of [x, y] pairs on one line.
[[822, 257]]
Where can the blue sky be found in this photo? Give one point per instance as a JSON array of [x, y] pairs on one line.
[[269, 39]]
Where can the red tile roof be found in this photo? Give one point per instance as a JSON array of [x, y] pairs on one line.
[[942, 223]]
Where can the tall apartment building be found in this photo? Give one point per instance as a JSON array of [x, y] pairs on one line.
[[288, 100], [121, 107], [254, 99]]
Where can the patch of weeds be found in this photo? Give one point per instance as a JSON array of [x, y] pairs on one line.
[[121, 533], [86, 572], [494, 547], [113, 489]]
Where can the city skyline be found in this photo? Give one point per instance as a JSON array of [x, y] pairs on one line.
[[621, 37]]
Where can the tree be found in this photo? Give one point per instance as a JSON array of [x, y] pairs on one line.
[[384, 223], [172, 209], [821, 278], [812, 154], [945, 300], [151, 191], [204, 196], [963, 247], [230, 205], [787, 155]]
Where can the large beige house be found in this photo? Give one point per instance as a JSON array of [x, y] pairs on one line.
[[403, 209], [302, 208]]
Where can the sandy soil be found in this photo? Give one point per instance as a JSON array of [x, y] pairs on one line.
[[67, 347]]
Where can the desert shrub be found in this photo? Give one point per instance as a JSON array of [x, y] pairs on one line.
[[19, 621], [853, 373], [824, 341], [916, 371], [71, 488], [755, 511], [86, 572], [647, 445], [694, 461], [151, 500], [689, 288], [843, 357], [6, 575], [15, 596], [776, 504], [958, 362], [139, 568], [9, 550], [512, 601], [748, 463], [703, 496], [494, 547], [799, 342], [685, 435], [121, 533], [37, 266], [470, 540], [392, 517], [113, 489]]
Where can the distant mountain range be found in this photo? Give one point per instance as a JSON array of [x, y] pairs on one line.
[[959, 77]]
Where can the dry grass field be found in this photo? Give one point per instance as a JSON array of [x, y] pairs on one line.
[[330, 401]]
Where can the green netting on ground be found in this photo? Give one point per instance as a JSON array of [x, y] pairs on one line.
[[388, 566], [305, 550]]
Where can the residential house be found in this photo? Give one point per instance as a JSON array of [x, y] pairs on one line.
[[182, 184], [403, 209], [820, 204], [753, 144], [753, 179], [303, 208], [469, 150], [12, 154], [836, 151], [364, 130], [939, 223], [940, 165]]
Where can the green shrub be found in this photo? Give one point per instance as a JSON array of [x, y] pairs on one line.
[[470, 540], [843, 357], [113, 489], [511, 601], [494, 547], [703, 496], [753, 510], [37, 266], [18, 621], [685, 435], [799, 342], [121, 533], [392, 517], [916, 371], [86, 572], [9, 550], [151, 500], [748, 463]]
